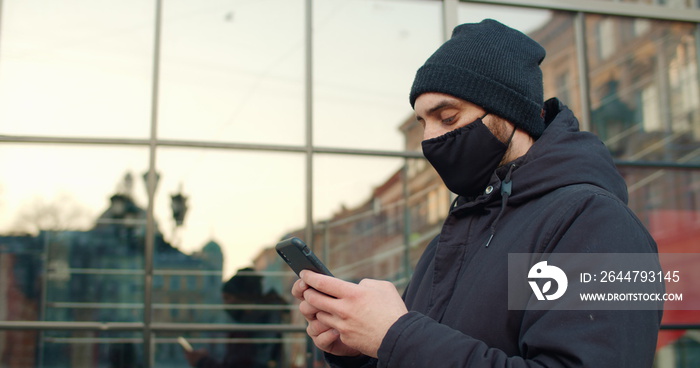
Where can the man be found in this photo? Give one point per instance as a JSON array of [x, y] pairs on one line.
[[528, 182]]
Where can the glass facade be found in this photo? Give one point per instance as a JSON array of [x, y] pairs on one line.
[[151, 150]]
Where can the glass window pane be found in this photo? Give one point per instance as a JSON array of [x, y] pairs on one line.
[[645, 98], [677, 349], [227, 74], [238, 203], [669, 3], [560, 71], [361, 214], [336, 189], [371, 232], [235, 349], [72, 230], [88, 349], [667, 201], [366, 54], [523, 19], [76, 68], [58, 349], [20, 347]]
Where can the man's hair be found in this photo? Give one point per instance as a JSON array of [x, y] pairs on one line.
[[244, 283]]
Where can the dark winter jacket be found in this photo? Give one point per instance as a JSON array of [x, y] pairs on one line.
[[566, 196]]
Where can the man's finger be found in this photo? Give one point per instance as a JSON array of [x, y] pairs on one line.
[[308, 310], [331, 321], [326, 339], [328, 285], [321, 301], [316, 328], [298, 289]]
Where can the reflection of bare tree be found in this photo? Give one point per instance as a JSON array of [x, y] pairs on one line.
[[60, 214]]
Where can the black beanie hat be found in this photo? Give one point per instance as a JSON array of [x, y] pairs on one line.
[[490, 65]]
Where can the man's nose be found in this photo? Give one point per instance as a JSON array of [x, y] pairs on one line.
[[431, 131]]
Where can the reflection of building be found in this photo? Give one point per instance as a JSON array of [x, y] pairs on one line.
[[20, 265], [645, 97], [613, 118], [97, 275]]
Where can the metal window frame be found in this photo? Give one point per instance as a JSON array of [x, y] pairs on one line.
[[616, 8]]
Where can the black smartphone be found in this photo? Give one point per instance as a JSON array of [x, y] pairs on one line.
[[300, 257]]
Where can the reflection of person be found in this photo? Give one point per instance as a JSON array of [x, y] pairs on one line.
[[123, 356], [246, 288], [528, 181]]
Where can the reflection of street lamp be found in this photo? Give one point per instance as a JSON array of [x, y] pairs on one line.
[[145, 181], [179, 205]]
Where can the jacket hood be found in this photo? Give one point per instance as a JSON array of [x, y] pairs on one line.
[[563, 156]]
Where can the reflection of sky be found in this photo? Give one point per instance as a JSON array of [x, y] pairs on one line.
[[231, 71]]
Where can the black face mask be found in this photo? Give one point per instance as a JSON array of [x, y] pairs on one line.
[[466, 157]]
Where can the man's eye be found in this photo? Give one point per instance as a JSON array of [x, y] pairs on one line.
[[449, 120]]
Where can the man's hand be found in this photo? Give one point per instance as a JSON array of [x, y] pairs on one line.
[[358, 314], [324, 337], [194, 356]]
